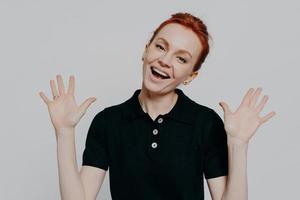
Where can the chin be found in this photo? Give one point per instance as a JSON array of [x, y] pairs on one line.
[[157, 88], [151, 87]]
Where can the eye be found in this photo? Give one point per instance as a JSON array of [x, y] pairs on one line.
[[159, 46], [182, 59]]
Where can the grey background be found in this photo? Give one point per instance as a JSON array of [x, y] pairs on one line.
[[101, 42]]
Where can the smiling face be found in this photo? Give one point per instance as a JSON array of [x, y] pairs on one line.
[[170, 58]]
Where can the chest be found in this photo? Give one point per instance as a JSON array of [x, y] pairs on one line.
[[141, 146]]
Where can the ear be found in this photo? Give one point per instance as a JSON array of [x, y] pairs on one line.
[[192, 76], [145, 50]]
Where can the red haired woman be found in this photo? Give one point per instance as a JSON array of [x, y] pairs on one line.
[[159, 144]]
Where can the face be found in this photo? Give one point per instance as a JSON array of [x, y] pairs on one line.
[[170, 58]]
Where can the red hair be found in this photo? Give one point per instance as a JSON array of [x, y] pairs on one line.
[[196, 25]]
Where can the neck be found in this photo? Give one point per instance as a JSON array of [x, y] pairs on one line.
[[155, 104]]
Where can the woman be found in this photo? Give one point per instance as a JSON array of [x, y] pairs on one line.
[[159, 143]]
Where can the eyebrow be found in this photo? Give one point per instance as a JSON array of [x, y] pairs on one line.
[[180, 50]]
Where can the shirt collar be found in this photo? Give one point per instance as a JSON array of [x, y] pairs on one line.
[[181, 111]]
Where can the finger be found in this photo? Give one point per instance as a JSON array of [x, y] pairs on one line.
[[61, 87], [267, 117], [53, 88], [262, 103], [84, 106], [71, 85], [43, 96], [255, 96], [247, 96], [225, 107]]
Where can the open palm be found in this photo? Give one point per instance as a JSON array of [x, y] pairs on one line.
[[63, 110], [243, 123]]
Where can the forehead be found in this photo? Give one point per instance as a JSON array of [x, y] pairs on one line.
[[180, 37]]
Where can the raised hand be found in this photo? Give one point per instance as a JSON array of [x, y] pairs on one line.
[[243, 123], [63, 110]]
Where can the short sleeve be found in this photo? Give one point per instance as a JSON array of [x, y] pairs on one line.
[[216, 150], [95, 152]]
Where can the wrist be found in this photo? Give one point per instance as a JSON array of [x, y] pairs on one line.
[[64, 128], [236, 141], [64, 131]]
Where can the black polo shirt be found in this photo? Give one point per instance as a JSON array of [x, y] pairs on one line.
[[162, 159]]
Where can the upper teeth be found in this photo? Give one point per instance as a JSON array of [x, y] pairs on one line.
[[160, 72]]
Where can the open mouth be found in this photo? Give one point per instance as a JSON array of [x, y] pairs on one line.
[[159, 74]]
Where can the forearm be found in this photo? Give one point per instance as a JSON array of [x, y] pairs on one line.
[[236, 185], [70, 184]]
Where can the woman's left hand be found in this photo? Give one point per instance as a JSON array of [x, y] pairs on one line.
[[243, 123]]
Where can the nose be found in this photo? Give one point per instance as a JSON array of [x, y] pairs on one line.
[[165, 61]]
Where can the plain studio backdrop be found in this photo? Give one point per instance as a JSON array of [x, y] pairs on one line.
[[255, 43]]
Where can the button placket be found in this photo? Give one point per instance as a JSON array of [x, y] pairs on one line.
[[154, 138], [154, 145], [155, 134], [160, 120]]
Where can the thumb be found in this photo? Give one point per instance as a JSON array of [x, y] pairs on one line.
[[84, 106], [225, 107]]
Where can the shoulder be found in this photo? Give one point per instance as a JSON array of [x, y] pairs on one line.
[[203, 112], [114, 112], [210, 123]]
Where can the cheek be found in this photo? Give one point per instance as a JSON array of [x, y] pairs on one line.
[[180, 73], [152, 55]]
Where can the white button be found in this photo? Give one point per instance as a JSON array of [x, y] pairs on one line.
[[155, 131], [160, 120], [154, 145]]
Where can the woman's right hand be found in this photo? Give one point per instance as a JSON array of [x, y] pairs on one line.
[[63, 110]]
